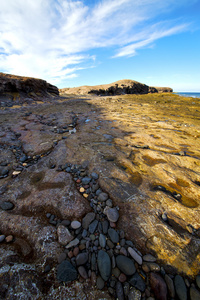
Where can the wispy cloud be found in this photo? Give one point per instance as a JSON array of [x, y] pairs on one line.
[[51, 39]]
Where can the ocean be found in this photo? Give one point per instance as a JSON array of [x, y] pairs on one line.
[[185, 94]]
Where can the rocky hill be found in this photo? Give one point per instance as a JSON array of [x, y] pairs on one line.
[[120, 87]]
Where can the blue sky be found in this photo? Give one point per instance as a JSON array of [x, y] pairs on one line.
[[88, 42]]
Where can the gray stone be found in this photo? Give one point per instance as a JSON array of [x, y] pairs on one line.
[[95, 187], [73, 243], [93, 226], [64, 236], [112, 214], [125, 265], [104, 264], [62, 257], [153, 267], [75, 224], [110, 244], [149, 258], [2, 238], [81, 258], [105, 226], [114, 236], [87, 220], [180, 287], [84, 233], [194, 294], [94, 175], [6, 205], [135, 255], [86, 180], [100, 283], [119, 291], [93, 262], [102, 240], [137, 281], [65, 222], [102, 197], [109, 203], [170, 286], [82, 271], [134, 294], [198, 281], [66, 272]]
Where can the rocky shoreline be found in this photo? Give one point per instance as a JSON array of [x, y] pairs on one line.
[[67, 230], [95, 249]]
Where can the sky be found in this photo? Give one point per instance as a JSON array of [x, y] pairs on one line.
[[88, 42]]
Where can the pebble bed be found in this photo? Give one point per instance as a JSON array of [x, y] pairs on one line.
[[95, 249]]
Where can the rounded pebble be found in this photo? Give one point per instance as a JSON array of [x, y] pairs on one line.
[[82, 271], [2, 238], [75, 224], [102, 197], [104, 264], [149, 258], [135, 255], [62, 257], [112, 214], [125, 265], [122, 277], [6, 205], [102, 240], [100, 283], [180, 287], [81, 258]]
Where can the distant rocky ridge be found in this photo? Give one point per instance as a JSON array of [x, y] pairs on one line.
[[119, 87], [25, 86]]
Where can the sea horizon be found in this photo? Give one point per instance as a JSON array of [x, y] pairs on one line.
[[188, 94]]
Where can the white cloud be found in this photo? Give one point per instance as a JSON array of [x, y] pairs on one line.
[[50, 39], [149, 38]]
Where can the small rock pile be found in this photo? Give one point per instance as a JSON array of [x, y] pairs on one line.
[[96, 249]]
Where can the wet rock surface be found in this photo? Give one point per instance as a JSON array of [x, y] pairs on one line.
[[100, 199]]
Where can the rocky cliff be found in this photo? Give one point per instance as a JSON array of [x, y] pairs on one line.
[[12, 87], [120, 87]]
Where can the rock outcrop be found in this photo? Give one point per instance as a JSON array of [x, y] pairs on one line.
[[160, 89], [14, 86], [120, 87]]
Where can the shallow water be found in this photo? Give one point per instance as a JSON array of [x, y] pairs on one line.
[[185, 94]]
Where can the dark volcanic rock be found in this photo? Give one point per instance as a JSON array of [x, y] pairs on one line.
[[125, 264], [159, 286], [137, 281], [66, 272], [26, 85], [104, 264], [180, 287], [6, 205]]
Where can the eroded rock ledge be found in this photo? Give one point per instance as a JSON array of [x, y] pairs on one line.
[[119, 87], [12, 87]]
